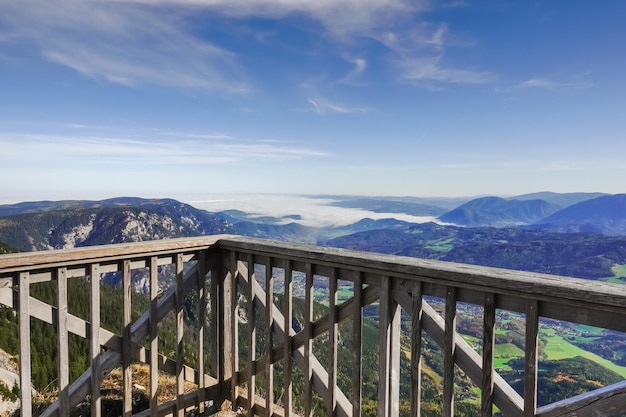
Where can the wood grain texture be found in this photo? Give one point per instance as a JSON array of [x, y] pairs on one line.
[[23, 286], [489, 342], [408, 280]]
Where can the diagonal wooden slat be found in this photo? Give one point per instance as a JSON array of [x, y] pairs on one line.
[[606, 401], [111, 358], [319, 374], [505, 397]]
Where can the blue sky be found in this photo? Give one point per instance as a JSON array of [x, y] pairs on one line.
[[371, 97]]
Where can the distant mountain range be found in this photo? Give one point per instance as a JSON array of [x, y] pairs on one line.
[[562, 200], [605, 214], [65, 224], [498, 212], [583, 255], [532, 234]]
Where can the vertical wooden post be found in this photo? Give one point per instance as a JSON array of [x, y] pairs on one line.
[[269, 337], [288, 344], [126, 345], [154, 338], [96, 401], [216, 316], [234, 331], [389, 352], [23, 285], [489, 322], [202, 305], [251, 337], [225, 318], [331, 401], [308, 344], [357, 336], [416, 349], [63, 345], [530, 363], [449, 353], [180, 352]]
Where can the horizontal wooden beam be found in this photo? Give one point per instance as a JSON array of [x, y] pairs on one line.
[[526, 285], [104, 253], [606, 401]]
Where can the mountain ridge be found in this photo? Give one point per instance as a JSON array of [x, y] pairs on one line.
[[498, 212]]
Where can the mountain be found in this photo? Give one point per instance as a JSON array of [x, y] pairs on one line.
[[582, 255], [605, 215], [378, 205], [65, 224], [561, 200], [498, 212], [84, 223]]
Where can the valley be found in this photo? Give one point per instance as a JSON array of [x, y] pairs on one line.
[[572, 357]]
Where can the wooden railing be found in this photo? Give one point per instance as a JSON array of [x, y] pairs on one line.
[[276, 323]]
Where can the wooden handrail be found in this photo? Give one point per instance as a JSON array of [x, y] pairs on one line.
[[395, 283]]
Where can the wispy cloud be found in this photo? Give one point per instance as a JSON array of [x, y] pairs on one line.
[[352, 77], [455, 4], [545, 84], [430, 69], [139, 42], [340, 18], [186, 150], [122, 43], [321, 106], [420, 55]]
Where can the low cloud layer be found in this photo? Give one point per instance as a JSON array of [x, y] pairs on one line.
[[315, 212]]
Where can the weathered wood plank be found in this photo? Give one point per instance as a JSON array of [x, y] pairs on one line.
[[80, 388], [383, 347], [111, 358], [572, 291], [154, 336], [269, 337], [225, 362], [287, 341], [180, 326], [505, 397], [215, 317], [24, 334], [62, 342], [333, 328], [251, 335], [308, 345], [202, 321], [104, 253], [606, 401], [127, 372], [357, 340], [530, 361], [320, 375], [489, 342], [94, 335], [234, 330], [449, 353], [344, 312], [416, 349]]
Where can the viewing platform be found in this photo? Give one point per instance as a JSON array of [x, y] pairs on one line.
[[280, 329]]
